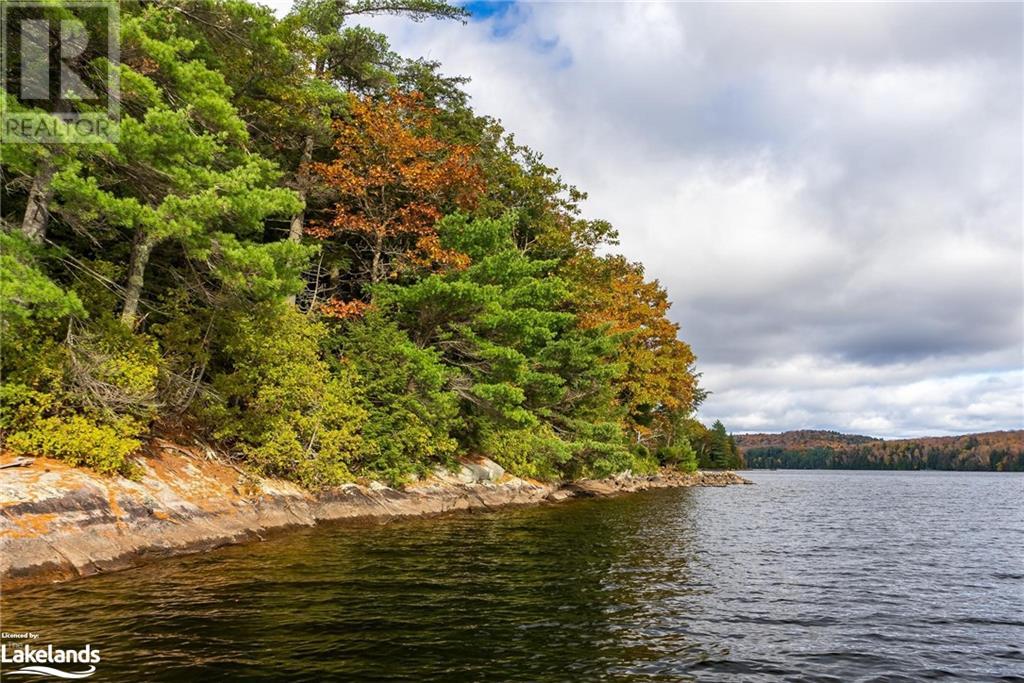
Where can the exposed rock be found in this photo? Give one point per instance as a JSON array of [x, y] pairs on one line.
[[59, 522], [589, 488], [17, 462], [559, 495], [484, 469], [471, 471]]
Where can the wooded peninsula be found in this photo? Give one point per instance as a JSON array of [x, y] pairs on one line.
[[308, 252]]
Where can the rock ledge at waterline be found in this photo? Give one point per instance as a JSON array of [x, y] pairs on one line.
[[59, 522]]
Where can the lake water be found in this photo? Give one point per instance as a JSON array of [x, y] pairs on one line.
[[810, 575]]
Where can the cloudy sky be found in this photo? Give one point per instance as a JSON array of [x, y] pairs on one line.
[[832, 194]]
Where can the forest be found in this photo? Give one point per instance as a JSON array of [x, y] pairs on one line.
[[308, 252], [809, 449]]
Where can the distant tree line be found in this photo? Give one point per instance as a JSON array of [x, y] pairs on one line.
[[994, 451]]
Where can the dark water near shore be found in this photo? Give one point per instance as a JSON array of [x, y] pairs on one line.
[[807, 576]]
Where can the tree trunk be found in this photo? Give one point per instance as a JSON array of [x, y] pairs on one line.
[[298, 221], [141, 248], [377, 266], [302, 175], [37, 212], [298, 224]]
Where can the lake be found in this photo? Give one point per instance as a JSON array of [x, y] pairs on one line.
[[809, 575]]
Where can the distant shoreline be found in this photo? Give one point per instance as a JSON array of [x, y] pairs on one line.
[[816, 449], [880, 471]]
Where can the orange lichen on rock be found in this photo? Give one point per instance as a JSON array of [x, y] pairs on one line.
[[27, 526]]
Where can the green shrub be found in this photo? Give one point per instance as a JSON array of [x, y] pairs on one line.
[[275, 402], [78, 440], [81, 393], [644, 463], [411, 412], [532, 453], [681, 455]]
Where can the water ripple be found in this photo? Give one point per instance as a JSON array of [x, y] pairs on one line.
[[808, 576]]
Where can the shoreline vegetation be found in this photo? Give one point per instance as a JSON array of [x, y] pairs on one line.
[[310, 253], [61, 522], [817, 449]]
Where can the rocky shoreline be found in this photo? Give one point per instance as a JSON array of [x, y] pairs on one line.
[[59, 523]]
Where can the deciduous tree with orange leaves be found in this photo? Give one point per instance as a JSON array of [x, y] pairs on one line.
[[394, 181], [659, 375]]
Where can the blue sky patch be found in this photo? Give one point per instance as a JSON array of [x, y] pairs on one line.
[[485, 9]]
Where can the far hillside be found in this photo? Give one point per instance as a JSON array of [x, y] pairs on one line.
[[819, 449], [802, 438]]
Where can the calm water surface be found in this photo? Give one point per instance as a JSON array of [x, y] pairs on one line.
[[841, 576]]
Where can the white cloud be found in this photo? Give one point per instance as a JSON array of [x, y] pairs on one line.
[[830, 192]]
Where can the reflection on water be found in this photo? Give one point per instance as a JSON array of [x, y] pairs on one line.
[[810, 575]]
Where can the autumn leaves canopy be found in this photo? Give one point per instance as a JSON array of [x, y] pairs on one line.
[[394, 179]]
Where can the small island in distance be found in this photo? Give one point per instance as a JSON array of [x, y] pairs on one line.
[[821, 449]]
